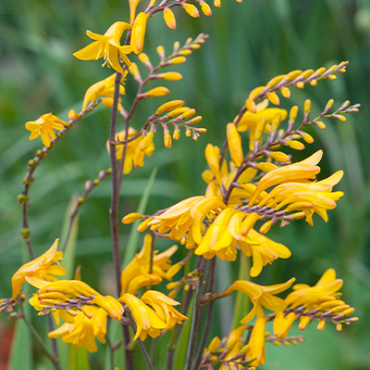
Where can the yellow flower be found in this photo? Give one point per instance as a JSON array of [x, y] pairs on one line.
[[216, 176], [300, 171], [233, 227], [107, 46], [235, 144], [251, 120], [49, 294], [187, 217], [136, 274], [147, 321], [45, 126], [308, 197], [312, 297], [43, 267], [257, 342], [103, 88], [261, 296], [84, 330], [135, 152], [163, 306]]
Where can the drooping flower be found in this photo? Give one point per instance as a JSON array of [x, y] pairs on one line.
[[296, 172], [257, 342], [261, 296], [136, 274], [135, 149], [233, 229], [107, 46], [45, 126], [163, 306], [186, 217], [103, 88], [84, 329], [50, 294], [147, 321], [44, 267], [251, 120], [307, 197]]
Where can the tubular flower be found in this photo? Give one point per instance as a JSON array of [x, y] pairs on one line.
[[147, 321], [187, 217], [257, 342], [84, 330], [298, 172], [51, 294], [261, 296], [233, 228], [43, 267], [45, 126], [107, 46], [313, 297], [307, 197], [217, 177], [136, 274], [103, 88], [251, 120], [163, 306], [135, 151], [138, 32]]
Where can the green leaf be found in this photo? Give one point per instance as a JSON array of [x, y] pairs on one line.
[[241, 300], [182, 343], [78, 359]]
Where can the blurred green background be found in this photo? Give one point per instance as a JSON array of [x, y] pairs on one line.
[[249, 44]]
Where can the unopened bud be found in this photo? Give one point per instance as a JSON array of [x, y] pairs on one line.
[[131, 217], [171, 76], [169, 18], [169, 106], [307, 106], [206, 9], [293, 113], [167, 140], [285, 92], [157, 91], [251, 105], [160, 51], [191, 10], [178, 60], [294, 144], [72, 114], [308, 138], [274, 99]]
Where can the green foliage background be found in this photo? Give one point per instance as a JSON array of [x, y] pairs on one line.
[[249, 44]]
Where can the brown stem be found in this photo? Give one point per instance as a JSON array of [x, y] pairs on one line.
[[196, 317], [33, 164], [54, 346]]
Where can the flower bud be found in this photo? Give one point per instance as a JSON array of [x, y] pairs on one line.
[[157, 91], [134, 70], [308, 138], [280, 156], [188, 114], [266, 166], [131, 217], [148, 139], [178, 60], [285, 92], [206, 9], [217, 3], [251, 105], [177, 112], [235, 144], [191, 10], [167, 140], [307, 106], [294, 144], [169, 18], [160, 51], [293, 113], [145, 59], [171, 76], [139, 158], [169, 106], [274, 99]]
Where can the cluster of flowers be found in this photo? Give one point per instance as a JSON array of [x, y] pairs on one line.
[[261, 184]]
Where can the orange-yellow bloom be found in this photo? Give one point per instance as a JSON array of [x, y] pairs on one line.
[[136, 274], [187, 217], [261, 296], [298, 172], [235, 144], [84, 330], [251, 120], [163, 306], [147, 321], [103, 88], [233, 228], [134, 153], [43, 267], [45, 126], [107, 46], [257, 342], [61, 291]]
